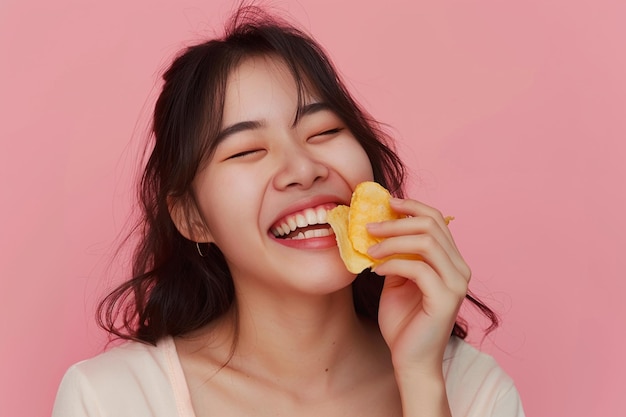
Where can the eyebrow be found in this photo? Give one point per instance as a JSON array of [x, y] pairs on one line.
[[309, 109], [305, 110], [238, 127]]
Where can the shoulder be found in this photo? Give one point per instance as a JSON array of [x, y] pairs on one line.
[[132, 376], [125, 359], [462, 360], [476, 384]]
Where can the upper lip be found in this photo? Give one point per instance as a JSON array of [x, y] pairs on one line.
[[309, 202]]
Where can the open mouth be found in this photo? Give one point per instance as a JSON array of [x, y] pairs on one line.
[[305, 224]]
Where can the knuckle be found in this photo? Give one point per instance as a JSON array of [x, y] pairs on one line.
[[462, 290], [466, 271], [436, 214], [429, 222], [455, 298], [428, 242], [459, 287], [458, 293]]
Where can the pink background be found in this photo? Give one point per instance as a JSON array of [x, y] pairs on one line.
[[512, 116]]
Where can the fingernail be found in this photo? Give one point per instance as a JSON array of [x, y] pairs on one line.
[[373, 249], [372, 226]]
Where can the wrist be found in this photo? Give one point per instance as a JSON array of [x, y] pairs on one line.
[[423, 393], [425, 368], [420, 377]]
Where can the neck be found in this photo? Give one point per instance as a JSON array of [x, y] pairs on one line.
[[298, 335], [309, 344]]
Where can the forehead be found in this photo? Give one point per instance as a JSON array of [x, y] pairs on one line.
[[259, 85]]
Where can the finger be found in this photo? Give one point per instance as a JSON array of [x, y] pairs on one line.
[[415, 208], [430, 252], [428, 235], [434, 291], [413, 226]]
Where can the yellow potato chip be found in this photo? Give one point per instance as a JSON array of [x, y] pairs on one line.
[[370, 203], [355, 262]]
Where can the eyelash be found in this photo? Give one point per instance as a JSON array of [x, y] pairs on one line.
[[242, 154], [330, 131], [326, 132]]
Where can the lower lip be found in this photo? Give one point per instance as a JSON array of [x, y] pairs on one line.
[[323, 242]]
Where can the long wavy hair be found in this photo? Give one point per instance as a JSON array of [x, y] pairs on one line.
[[173, 290]]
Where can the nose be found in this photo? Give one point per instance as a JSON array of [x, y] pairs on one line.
[[297, 167]]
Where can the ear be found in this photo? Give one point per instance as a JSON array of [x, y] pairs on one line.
[[187, 219]]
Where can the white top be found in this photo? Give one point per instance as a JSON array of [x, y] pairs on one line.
[[139, 380]]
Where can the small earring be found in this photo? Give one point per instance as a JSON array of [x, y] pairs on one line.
[[203, 255]]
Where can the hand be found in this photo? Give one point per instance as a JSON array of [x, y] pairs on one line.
[[424, 286]]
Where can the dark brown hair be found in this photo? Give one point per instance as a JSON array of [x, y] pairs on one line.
[[174, 290]]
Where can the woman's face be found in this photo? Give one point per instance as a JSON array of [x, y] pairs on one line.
[[264, 193]]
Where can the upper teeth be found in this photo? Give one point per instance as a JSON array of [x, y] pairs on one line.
[[304, 218]]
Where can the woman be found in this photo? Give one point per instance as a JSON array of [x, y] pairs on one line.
[[240, 303]]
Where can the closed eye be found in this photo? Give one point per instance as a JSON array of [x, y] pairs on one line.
[[330, 131], [244, 153], [324, 135]]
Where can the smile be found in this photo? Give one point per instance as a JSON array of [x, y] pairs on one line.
[[305, 224]]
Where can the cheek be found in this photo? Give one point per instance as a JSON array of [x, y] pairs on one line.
[[227, 201], [354, 163], [366, 167]]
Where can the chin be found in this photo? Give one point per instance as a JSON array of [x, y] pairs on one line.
[[331, 278]]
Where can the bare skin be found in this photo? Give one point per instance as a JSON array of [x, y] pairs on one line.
[[301, 349], [320, 370]]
